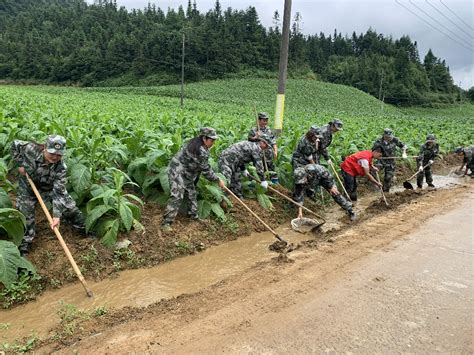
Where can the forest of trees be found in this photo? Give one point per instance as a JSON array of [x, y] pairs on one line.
[[72, 42]]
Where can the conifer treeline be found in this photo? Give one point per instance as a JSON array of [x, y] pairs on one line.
[[70, 41]]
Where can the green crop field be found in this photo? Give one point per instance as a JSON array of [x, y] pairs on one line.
[[112, 131]]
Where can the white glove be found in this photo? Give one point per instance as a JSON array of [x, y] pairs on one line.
[[420, 169], [329, 161], [245, 173], [404, 155], [264, 184], [431, 162]]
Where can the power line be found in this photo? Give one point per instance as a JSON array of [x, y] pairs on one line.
[[429, 24], [446, 17], [460, 19], [439, 23]]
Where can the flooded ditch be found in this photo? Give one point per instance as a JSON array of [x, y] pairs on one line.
[[142, 287]]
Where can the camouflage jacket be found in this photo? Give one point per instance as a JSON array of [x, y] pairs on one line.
[[388, 148], [47, 177], [325, 142], [322, 177], [305, 151], [427, 153], [266, 130], [241, 153], [192, 166]]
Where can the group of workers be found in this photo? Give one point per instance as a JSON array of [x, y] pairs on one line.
[[45, 166]]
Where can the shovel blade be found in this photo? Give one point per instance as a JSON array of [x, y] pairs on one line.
[[408, 185]]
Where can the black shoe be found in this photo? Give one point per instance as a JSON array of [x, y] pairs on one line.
[[24, 248], [431, 185], [420, 186]]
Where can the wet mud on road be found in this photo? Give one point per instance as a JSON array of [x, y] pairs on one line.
[[349, 293]]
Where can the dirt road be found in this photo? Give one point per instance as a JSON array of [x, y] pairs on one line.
[[400, 281]]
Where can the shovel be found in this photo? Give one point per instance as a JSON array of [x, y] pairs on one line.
[[407, 185], [294, 202], [255, 215], [60, 238]]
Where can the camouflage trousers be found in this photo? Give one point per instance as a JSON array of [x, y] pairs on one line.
[[301, 190], [389, 173], [181, 188], [341, 201], [232, 174], [425, 173], [26, 203]]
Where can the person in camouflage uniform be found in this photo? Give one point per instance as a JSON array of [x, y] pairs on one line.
[[44, 164], [428, 152], [268, 155], [307, 148], [233, 159], [388, 143], [312, 176], [468, 159], [327, 132], [184, 171]]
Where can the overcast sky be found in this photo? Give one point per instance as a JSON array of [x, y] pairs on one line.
[[390, 17]]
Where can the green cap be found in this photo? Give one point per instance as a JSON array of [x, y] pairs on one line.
[[263, 116], [337, 124], [56, 144], [208, 132]]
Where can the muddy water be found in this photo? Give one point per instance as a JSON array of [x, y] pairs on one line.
[[138, 288]]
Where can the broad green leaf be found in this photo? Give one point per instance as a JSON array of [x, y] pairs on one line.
[[10, 262], [126, 216], [5, 201], [110, 236], [80, 178], [218, 211], [95, 214], [164, 181], [264, 201], [13, 223], [215, 191], [204, 209]]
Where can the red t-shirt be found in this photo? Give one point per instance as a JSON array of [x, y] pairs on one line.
[[351, 164]]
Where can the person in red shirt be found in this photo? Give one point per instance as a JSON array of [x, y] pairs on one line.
[[359, 164]]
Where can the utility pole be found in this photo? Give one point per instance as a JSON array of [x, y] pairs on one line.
[[280, 101], [182, 73]]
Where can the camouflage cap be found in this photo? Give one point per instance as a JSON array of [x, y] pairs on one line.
[[56, 144], [430, 138], [388, 132], [316, 130], [263, 116], [266, 138], [208, 132], [337, 124], [459, 150], [300, 176]]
